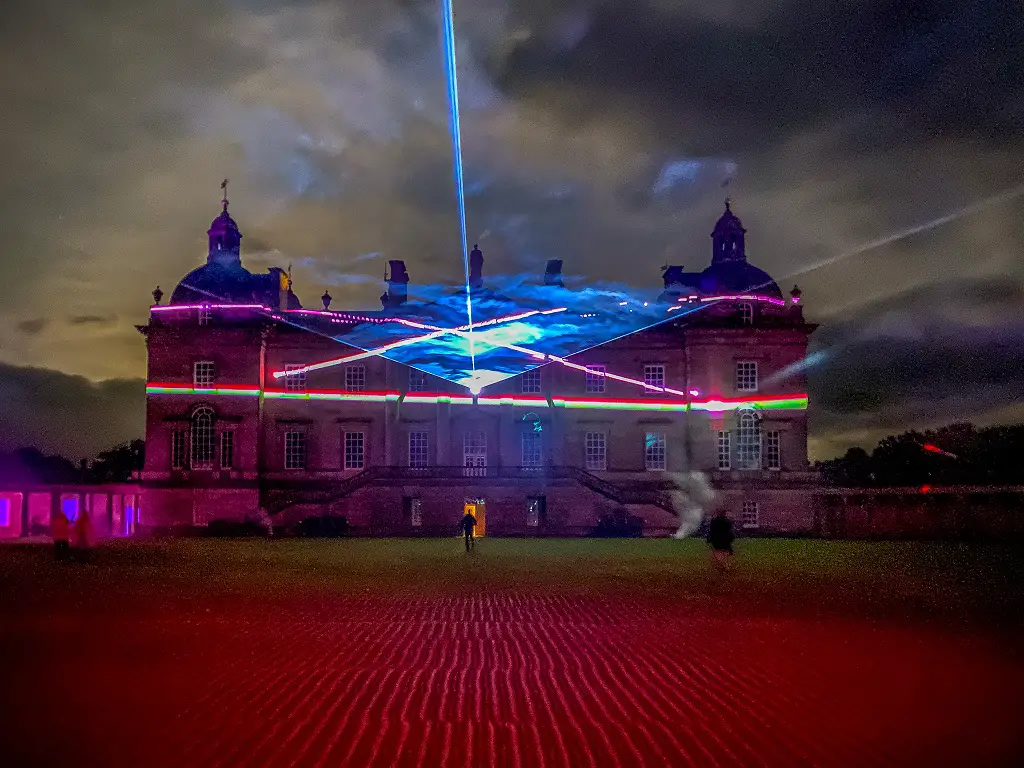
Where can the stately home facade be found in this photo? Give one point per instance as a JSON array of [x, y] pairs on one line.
[[349, 431]]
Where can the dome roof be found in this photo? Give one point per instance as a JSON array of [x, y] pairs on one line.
[[737, 277], [219, 283]]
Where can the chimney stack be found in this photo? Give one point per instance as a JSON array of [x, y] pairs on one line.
[[553, 273], [398, 285]]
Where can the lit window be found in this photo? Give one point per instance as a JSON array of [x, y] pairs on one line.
[[746, 376], [202, 438], [746, 312], [416, 512], [205, 314], [531, 382], [724, 450], [772, 450], [750, 516], [654, 451], [596, 380], [417, 380], [419, 452], [748, 441], [178, 454], [5, 512], [474, 454], [355, 445], [654, 377], [227, 450], [294, 382], [532, 455], [355, 378], [69, 506], [295, 450], [596, 451], [534, 511], [203, 374]]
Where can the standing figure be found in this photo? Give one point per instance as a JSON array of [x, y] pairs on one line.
[[83, 536], [720, 538], [468, 527], [61, 530]]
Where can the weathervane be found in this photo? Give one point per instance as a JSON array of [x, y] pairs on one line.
[[224, 197]]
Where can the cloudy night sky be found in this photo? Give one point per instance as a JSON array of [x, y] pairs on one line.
[[601, 133]]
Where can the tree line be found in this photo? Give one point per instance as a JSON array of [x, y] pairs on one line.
[[957, 454], [30, 465]]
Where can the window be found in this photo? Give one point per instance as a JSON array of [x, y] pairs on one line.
[[5, 512], [355, 378], [531, 382], [772, 450], [205, 313], [746, 376], [654, 451], [532, 455], [294, 382], [724, 450], [227, 450], [746, 312], [748, 441], [415, 507], [178, 454], [419, 452], [69, 506], [203, 374], [750, 516], [596, 451], [295, 450], [535, 511], [202, 438], [596, 380], [654, 377], [474, 454], [417, 380], [355, 446]]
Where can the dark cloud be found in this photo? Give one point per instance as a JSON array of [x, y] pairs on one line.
[[68, 415], [948, 351], [33, 326], [92, 319]]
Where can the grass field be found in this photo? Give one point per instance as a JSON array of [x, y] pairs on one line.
[[524, 652]]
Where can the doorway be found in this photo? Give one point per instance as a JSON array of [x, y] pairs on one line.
[[478, 509]]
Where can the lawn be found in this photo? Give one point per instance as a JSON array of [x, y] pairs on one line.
[[524, 652]]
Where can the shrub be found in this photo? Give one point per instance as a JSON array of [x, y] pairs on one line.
[[325, 527], [235, 529], [618, 525]]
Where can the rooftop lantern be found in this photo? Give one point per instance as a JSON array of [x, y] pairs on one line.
[[795, 294], [157, 295], [326, 299]]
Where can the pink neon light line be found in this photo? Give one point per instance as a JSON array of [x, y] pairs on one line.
[[436, 331]]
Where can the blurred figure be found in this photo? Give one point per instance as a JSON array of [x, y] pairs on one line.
[[60, 530], [83, 536], [720, 538], [692, 497], [468, 527]]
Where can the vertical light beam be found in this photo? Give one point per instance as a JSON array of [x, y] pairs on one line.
[[448, 23]]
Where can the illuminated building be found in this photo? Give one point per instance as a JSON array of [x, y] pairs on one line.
[[554, 408]]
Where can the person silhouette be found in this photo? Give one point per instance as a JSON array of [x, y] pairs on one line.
[[720, 538], [468, 525]]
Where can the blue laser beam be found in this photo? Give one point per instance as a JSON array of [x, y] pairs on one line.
[[448, 26]]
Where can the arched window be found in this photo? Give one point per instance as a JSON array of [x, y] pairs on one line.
[[202, 438], [748, 440], [746, 311]]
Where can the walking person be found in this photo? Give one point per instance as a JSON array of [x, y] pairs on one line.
[[468, 527], [83, 536], [60, 531], [720, 538]]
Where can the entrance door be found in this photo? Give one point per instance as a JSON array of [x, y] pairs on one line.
[[478, 509], [474, 454]]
